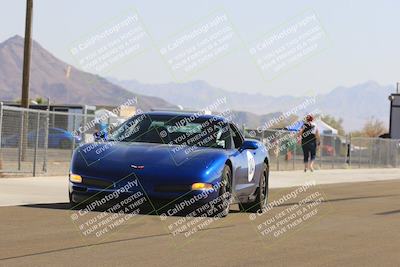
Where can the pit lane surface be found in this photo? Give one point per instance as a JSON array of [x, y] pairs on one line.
[[357, 224]]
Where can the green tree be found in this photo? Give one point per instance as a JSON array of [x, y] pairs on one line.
[[373, 128], [41, 100], [357, 134]]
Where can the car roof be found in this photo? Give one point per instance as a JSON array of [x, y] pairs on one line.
[[60, 129], [183, 114]]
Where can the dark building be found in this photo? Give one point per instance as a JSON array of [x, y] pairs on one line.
[[394, 123]]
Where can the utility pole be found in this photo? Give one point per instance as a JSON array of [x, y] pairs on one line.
[[25, 77], [27, 55], [394, 125]]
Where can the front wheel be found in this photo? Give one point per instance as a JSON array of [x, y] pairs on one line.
[[73, 205], [262, 193], [221, 207]]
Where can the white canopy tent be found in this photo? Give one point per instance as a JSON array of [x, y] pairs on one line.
[[325, 128], [322, 126]]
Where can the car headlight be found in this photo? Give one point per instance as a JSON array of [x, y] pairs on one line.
[[202, 186], [75, 178]]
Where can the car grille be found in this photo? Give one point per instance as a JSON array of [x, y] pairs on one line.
[[103, 184], [172, 188]]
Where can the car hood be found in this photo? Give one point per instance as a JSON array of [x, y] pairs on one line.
[[114, 161]]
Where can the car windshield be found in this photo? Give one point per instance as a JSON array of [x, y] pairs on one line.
[[174, 130]]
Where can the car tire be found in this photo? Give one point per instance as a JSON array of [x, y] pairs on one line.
[[225, 194], [262, 193], [72, 204]]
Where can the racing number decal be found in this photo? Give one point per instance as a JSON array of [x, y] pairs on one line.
[[251, 166]]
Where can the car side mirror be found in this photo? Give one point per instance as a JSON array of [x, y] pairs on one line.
[[249, 144], [99, 136]]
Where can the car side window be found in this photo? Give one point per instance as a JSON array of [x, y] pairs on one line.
[[237, 137], [54, 131]]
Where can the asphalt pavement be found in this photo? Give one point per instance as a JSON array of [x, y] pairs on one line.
[[342, 224]]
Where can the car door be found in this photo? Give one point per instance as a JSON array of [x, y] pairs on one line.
[[243, 164], [54, 138]]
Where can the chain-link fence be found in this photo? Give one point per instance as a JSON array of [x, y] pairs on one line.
[[41, 142], [374, 152], [335, 151], [38, 142]]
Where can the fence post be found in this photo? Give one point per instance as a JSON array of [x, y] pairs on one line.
[[1, 133], [20, 140], [349, 148], [73, 131], [321, 150], [294, 156], [46, 139], [389, 150], [396, 151], [277, 157], [334, 153], [380, 152], [36, 144], [370, 151], [360, 158], [84, 116], [1, 121], [262, 137]]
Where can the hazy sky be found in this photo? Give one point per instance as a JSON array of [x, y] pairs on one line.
[[365, 39]]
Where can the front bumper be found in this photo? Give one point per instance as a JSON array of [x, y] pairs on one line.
[[80, 193]]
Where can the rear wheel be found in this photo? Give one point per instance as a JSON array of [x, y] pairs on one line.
[[262, 193]]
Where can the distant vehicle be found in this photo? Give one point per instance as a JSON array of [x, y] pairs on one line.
[[156, 148], [328, 150], [57, 138]]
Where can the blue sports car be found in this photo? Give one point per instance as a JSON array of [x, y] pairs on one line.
[[187, 160], [57, 138]]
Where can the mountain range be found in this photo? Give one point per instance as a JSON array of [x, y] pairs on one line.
[[65, 84], [62, 83], [355, 104]]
